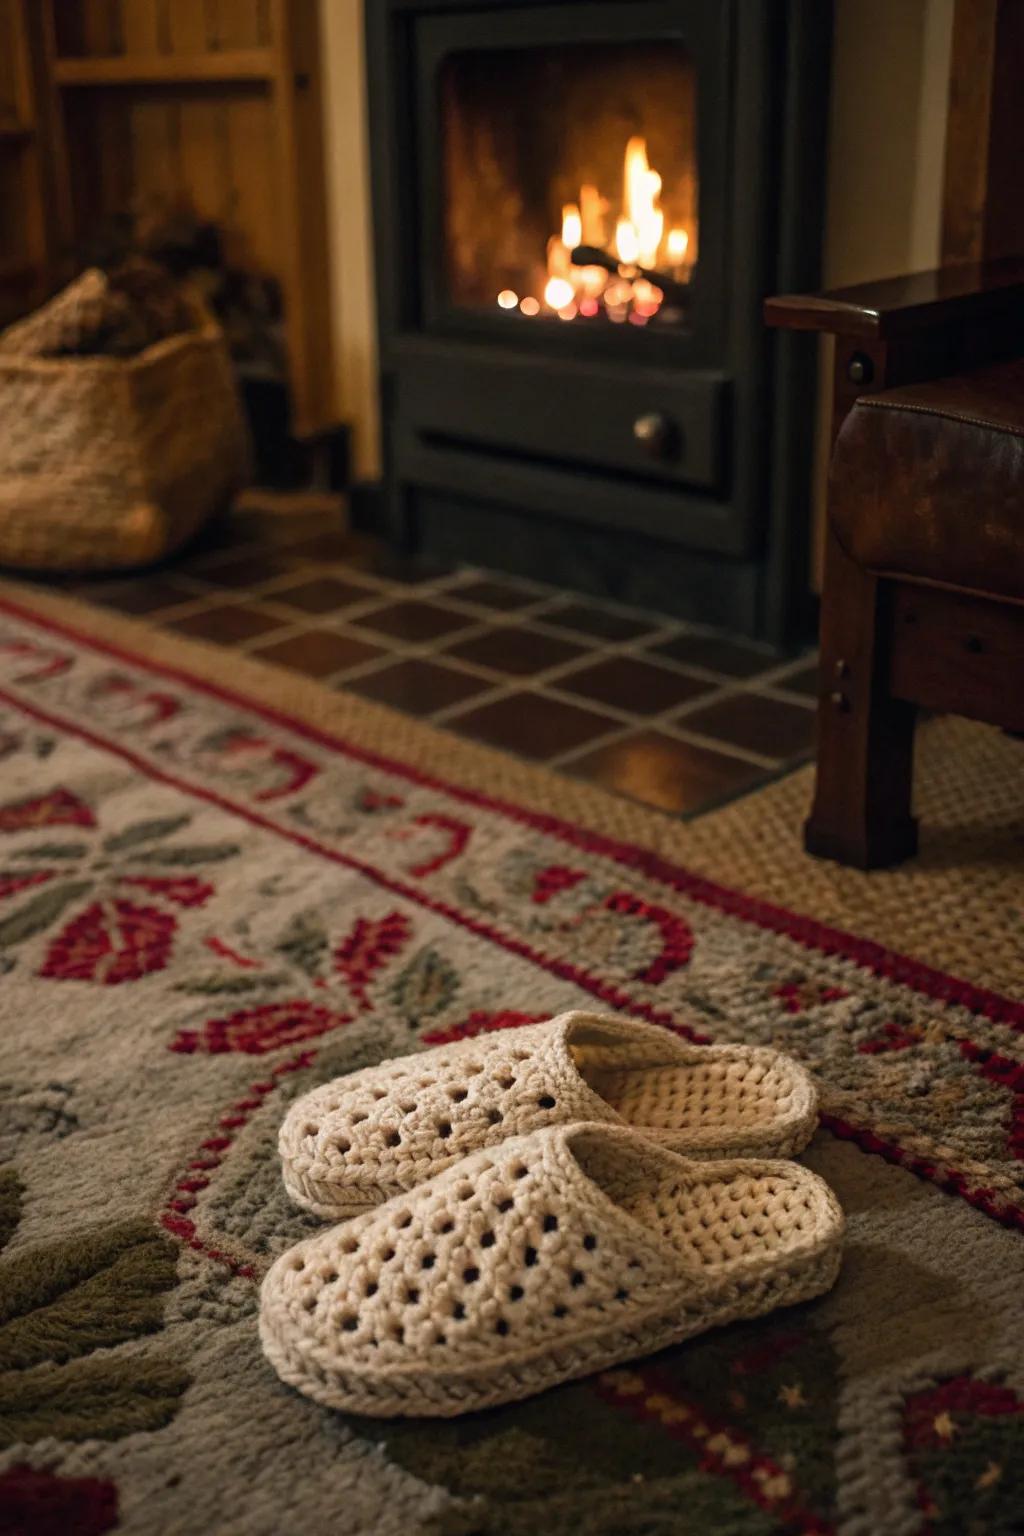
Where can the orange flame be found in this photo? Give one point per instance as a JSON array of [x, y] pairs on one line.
[[640, 239]]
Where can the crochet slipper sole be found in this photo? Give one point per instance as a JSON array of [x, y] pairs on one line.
[[410, 1393], [331, 1202]]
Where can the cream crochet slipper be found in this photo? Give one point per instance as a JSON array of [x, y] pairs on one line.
[[358, 1140], [553, 1255]]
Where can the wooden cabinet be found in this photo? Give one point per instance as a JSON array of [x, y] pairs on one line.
[[214, 103]]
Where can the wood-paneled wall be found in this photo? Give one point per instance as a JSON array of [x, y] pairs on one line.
[[212, 104], [96, 27], [24, 228], [213, 149], [211, 144], [983, 208]]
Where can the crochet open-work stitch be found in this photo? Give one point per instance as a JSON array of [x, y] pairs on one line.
[[357, 1141], [556, 1254]]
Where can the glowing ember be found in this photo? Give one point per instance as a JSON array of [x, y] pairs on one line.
[[618, 292], [507, 299], [589, 307], [530, 307], [647, 298], [677, 245], [591, 281], [559, 293]]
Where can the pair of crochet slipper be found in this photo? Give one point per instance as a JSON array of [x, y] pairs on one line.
[[522, 1214]]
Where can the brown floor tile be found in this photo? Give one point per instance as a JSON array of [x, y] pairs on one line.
[[531, 724], [760, 724], [318, 652], [414, 621], [516, 650], [227, 625], [495, 594], [323, 594], [629, 683], [661, 771], [602, 623], [141, 594], [731, 657], [247, 571], [417, 687]]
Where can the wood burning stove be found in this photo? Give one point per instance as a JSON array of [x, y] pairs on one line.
[[579, 207]]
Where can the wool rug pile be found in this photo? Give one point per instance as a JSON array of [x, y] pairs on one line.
[[221, 885]]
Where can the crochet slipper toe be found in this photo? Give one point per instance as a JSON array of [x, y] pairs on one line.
[[559, 1253], [356, 1141]]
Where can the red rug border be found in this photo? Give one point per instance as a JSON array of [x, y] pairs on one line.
[[809, 932], [778, 920]]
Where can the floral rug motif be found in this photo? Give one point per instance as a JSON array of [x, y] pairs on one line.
[[208, 904]]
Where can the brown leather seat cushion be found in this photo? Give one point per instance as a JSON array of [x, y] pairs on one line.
[[928, 481]]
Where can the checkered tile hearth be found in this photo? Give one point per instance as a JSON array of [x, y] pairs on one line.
[[636, 702]]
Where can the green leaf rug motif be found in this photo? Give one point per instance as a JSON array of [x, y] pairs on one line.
[[62, 1302]]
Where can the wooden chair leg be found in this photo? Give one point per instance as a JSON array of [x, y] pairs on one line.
[[861, 813]]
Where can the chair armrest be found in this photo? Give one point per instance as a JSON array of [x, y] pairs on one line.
[[905, 330], [883, 311]]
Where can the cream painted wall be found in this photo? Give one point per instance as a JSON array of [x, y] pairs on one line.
[[887, 137], [886, 148], [887, 143]]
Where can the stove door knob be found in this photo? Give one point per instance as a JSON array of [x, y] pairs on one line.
[[657, 434]]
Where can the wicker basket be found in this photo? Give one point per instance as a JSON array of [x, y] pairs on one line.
[[108, 463]]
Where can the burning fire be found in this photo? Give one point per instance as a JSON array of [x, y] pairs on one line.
[[625, 283], [644, 223]]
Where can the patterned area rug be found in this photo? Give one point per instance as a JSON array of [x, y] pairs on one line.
[[220, 885]]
